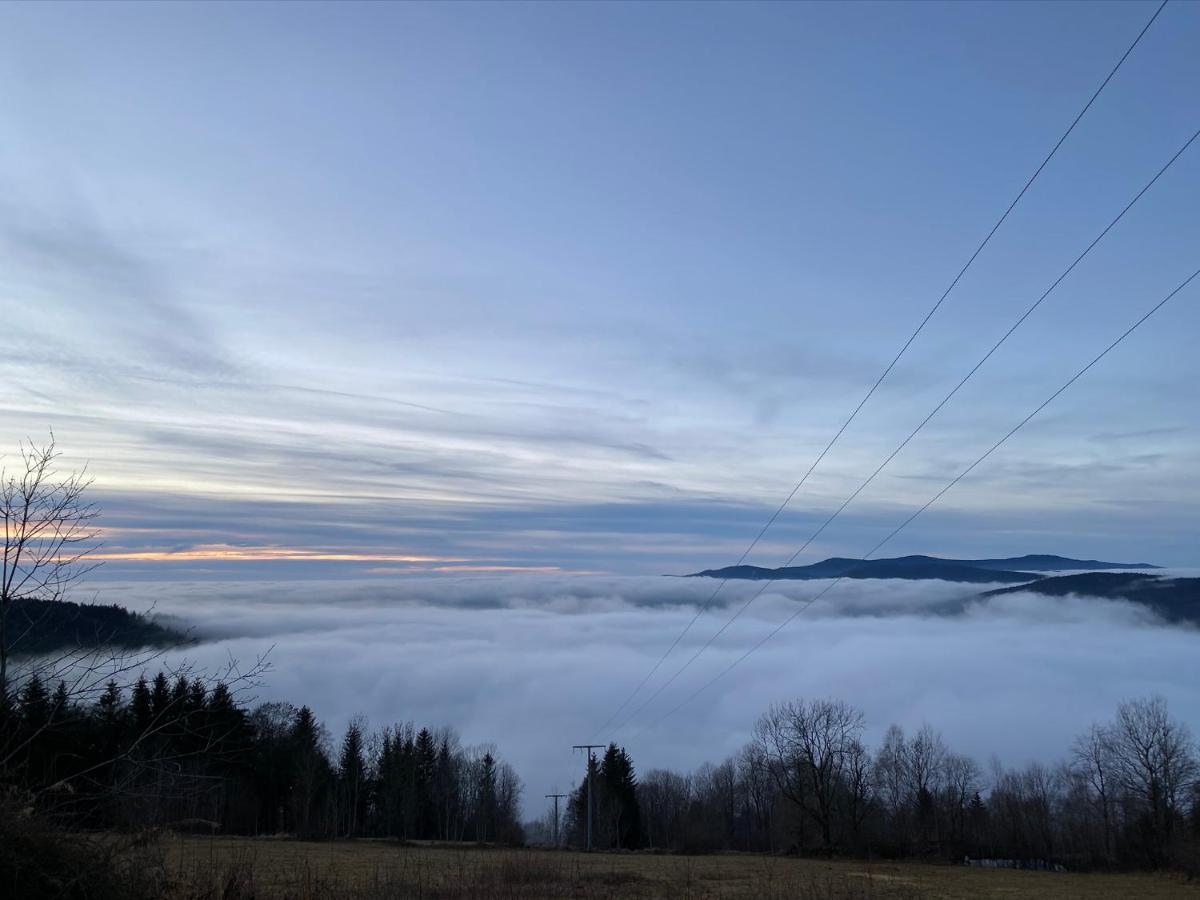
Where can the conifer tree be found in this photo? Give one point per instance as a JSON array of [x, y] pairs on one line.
[[426, 763], [142, 706], [160, 695], [110, 701], [179, 693], [486, 816], [35, 704], [352, 770], [445, 789], [61, 701], [617, 795], [309, 771], [197, 696]]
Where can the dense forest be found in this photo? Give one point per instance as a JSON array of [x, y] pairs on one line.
[[176, 754], [1126, 795], [47, 626]]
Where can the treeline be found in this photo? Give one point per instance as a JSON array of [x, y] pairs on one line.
[[1127, 795], [172, 752], [47, 626], [186, 754]]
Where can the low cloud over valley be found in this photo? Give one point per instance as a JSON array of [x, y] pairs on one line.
[[537, 663]]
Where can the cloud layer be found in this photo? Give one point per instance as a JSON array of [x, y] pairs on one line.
[[537, 663]]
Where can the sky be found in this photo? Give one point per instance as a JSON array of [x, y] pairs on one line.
[[395, 289], [411, 344]]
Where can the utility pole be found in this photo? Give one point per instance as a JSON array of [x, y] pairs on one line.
[[591, 756], [556, 799]]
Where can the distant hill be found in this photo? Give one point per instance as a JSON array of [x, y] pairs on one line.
[[977, 571], [46, 626], [1174, 599], [1035, 562]]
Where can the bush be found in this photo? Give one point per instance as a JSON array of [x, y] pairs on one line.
[[40, 862]]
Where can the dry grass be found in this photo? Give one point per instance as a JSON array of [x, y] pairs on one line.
[[239, 869]]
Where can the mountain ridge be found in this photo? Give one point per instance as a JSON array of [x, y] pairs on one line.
[[918, 567]]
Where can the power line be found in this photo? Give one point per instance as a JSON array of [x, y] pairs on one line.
[[921, 425], [887, 371], [1070, 381]]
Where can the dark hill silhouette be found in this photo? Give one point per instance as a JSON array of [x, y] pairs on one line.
[[1040, 562], [977, 571], [46, 626], [1174, 599]]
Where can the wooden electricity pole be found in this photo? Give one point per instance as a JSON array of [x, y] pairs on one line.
[[556, 797], [591, 759]]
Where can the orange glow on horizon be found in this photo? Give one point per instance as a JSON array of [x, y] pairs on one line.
[[541, 570], [226, 553]]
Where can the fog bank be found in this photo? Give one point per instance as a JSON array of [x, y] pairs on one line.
[[537, 663]]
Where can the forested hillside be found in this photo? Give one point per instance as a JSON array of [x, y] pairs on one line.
[[44, 626], [1173, 599]]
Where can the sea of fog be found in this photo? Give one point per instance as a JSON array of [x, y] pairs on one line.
[[538, 663]]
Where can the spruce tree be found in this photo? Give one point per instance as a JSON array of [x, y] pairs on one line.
[[179, 693], [160, 695], [425, 752], [310, 771], [61, 703], [352, 770], [486, 816], [406, 772], [444, 789], [197, 696], [617, 795], [386, 793], [35, 704], [110, 700], [142, 707]]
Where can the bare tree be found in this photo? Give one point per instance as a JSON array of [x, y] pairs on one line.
[[1043, 789], [1155, 764], [758, 792], [810, 744], [1092, 758], [48, 541], [664, 798], [924, 768], [48, 536], [961, 783], [857, 775], [891, 780]]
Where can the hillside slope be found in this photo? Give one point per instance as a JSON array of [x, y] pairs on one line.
[[47, 626], [1176, 600]]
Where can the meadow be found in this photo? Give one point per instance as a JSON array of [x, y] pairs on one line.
[[236, 868]]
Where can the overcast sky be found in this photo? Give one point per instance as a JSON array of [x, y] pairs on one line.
[[375, 289]]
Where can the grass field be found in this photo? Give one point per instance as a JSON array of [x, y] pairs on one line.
[[234, 868]]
